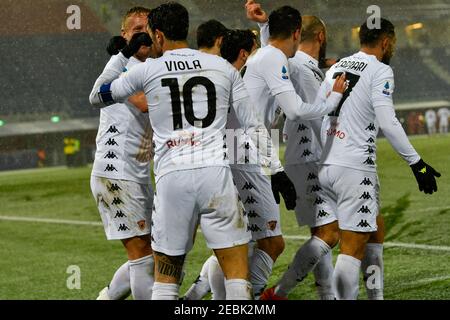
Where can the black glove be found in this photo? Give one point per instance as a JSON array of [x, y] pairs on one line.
[[137, 41], [425, 176], [282, 184], [116, 44]]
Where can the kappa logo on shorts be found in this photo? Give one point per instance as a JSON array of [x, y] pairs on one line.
[[316, 188], [141, 224], [371, 127], [112, 129], [110, 155], [364, 209], [302, 127], [250, 200], [248, 186], [322, 214], [120, 214], [370, 150], [363, 224], [366, 196], [252, 214], [123, 227], [369, 161], [371, 140], [253, 228], [111, 142], [306, 153], [110, 168], [304, 140], [272, 225], [319, 200], [114, 187], [366, 182], [117, 201], [311, 176], [247, 145]]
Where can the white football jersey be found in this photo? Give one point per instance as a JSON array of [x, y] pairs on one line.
[[303, 137], [443, 114], [124, 142], [349, 134], [267, 75], [188, 94], [430, 116]]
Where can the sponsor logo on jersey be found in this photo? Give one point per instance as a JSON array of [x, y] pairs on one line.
[[366, 196], [120, 214], [111, 142], [253, 228], [114, 187], [112, 129], [272, 225], [311, 176], [363, 224], [336, 133], [366, 182], [322, 214], [110, 168], [183, 140], [248, 186], [284, 72], [304, 140], [123, 227], [110, 155]]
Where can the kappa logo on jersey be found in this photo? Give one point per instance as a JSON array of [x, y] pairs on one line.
[[253, 228], [112, 129], [304, 140], [371, 127], [319, 200], [371, 140], [364, 209], [387, 89], [322, 214], [111, 142], [116, 201], [316, 188], [247, 145], [363, 224], [110, 155], [369, 161], [123, 227], [306, 153], [114, 187], [248, 186], [370, 150], [366, 182], [284, 72], [311, 176], [250, 200], [302, 127], [252, 214], [110, 168], [366, 196], [120, 214]]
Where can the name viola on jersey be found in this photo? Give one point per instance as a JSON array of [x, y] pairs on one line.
[[183, 65], [352, 65]]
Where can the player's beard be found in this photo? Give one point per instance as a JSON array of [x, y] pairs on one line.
[[323, 55]]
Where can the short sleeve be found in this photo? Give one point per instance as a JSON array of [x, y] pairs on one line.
[[383, 88]]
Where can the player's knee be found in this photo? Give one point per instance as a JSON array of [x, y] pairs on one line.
[[273, 246], [328, 233]]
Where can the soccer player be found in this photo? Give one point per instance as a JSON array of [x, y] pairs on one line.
[[443, 114], [431, 118], [210, 35], [189, 94], [348, 174], [120, 179]]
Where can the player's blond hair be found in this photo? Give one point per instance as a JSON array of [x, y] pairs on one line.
[[311, 26], [132, 12]]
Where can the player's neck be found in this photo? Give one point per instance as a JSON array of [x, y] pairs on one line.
[[373, 51], [282, 45], [212, 50], [174, 45], [310, 48]]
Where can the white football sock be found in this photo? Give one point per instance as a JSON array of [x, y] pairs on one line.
[[216, 280], [165, 291], [238, 289], [142, 277], [372, 259], [346, 277], [304, 262], [200, 287], [260, 269], [119, 288], [323, 273]]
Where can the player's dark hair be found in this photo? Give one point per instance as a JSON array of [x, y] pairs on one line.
[[208, 32], [371, 36], [172, 19], [234, 41], [134, 11], [283, 22]]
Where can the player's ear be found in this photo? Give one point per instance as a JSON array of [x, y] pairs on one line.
[[298, 34]]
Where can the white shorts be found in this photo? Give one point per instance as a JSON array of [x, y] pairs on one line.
[[187, 198], [352, 195], [263, 212], [305, 178], [125, 207]]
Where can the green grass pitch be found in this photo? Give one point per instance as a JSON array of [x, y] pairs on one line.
[[35, 255]]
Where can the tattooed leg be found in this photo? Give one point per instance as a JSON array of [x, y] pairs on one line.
[[168, 269]]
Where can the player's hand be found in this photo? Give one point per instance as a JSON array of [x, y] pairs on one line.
[[340, 85], [255, 12], [115, 45], [282, 184], [425, 176], [137, 41]]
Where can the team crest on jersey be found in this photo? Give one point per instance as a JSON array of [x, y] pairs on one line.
[[284, 71], [387, 89], [141, 224]]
